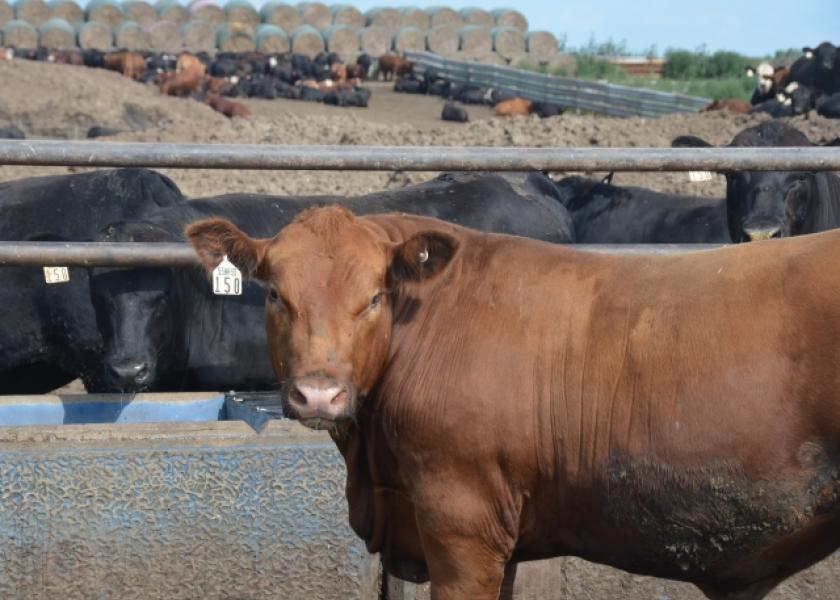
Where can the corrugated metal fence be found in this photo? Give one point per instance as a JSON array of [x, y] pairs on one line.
[[602, 98]]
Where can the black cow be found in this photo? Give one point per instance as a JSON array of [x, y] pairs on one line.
[[769, 204], [164, 329], [12, 132], [546, 109], [102, 131], [608, 214], [451, 112], [829, 106], [49, 336], [819, 68]]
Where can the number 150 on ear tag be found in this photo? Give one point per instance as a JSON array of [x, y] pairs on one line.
[[227, 279]]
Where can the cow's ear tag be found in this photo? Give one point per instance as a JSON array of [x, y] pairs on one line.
[[697, 176], [56, 274], [227, 279], [424, 255]]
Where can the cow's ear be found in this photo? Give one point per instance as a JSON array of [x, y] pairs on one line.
[[422, 256], [808, 52], [689, 141], [213, 239], [749, 71]]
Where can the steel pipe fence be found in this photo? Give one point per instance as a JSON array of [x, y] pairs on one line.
[[412, 158]]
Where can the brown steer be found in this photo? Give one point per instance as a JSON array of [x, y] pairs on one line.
[[500, 399]]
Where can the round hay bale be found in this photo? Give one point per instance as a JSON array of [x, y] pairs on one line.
[[171, 10], [348, 15], [271, 39], [94, 35], [541, 45], [315, 14], [7, 13], [562, 63], [19, 34], [281, 14], [236, 37], [409, 38], [57, 34], [375, 40], [67, 10], [198, 35], [165, 36], [494, 58], [507, 17], [139, 11], [477, 16], [105, 11], [383, 17], [443, 15], [34, 12], [475, 41], [442, 40], [508, 42], [306, 40], [242, 11], [208, 11], [342, 40], [414, 17], [131, 36]]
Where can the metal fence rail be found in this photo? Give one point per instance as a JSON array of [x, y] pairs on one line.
[[412, 158], [602, 98]]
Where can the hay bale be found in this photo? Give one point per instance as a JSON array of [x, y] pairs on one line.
[[271, 39], [348, 15], [541, 45], [208, 11], [564, 63], [306, 40], [198, 35], [236, 37], [315, 14], [388, 18], [131, 36], [375, 40], [507, 42], [105, 11], [242, 11], [443, 15], [507, 17], [165, 36], [475, 41], [443, 40], [409, 38], [171, 10], [19, 34], [343, 40], [281, 14], [34, 12], [139, 11], [57, 34], [67, 10], [7, 13], [477, 16], [414, 17], [94, 35]]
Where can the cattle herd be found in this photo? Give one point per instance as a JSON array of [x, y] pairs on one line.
[[498, 394]]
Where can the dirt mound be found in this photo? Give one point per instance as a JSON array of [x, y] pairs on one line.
[[58, 101]]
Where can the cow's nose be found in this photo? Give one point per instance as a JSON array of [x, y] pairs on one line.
[[131, 372], [318, 397], [763, 233]]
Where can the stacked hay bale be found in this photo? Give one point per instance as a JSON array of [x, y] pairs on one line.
[[477, 16], [375, 40], [139, 11], [68, 10], [508, 42], [315, 14], [414, 17], [7, 13], [171, 10], [475, 42], [507, 17], [343, 40], [19, 34], [33, 12], [131, 36], [165, 36], [271, 39], [242, 11], [236, 37], [306, 40], [57, 34], [208, 11], [278, 13], [443, 40], [94, 35], [409, 39], [541, 45], [199, 35], [442, 15], [108, 12], [389, 18], [348, 15]]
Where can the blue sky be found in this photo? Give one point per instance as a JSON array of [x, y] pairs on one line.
[[752, 27]]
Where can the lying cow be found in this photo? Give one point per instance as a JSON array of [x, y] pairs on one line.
[[155, 322], [499, 399], [515, 107], [609, 214], [768, 204], [50, 336], [452, 112], [733, 105]]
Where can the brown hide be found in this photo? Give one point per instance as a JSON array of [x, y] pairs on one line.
[[676, 415]]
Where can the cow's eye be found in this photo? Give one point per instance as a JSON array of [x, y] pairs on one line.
[[273, 295], [377, 298]]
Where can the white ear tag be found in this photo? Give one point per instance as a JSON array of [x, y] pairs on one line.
[[227, 279], [424, 255], [56, 274], [696, 176]]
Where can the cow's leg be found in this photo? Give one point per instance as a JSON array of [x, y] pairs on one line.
[[462, 568], [507, 584]]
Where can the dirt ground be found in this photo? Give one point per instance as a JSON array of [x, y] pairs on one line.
[[62, 102]]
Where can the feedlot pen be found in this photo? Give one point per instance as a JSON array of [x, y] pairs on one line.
[[203, 495]]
